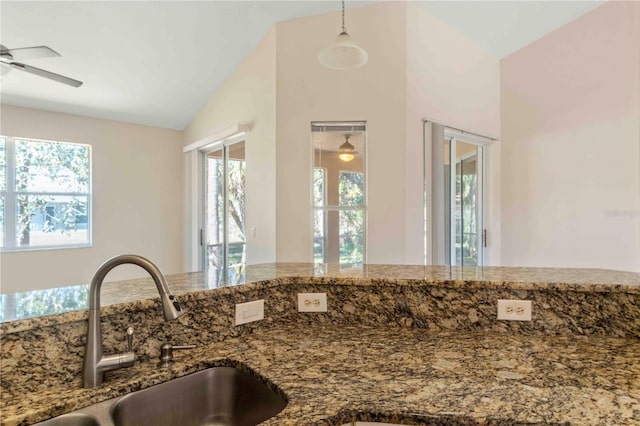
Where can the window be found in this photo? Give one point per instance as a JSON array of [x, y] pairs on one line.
[[45, 194], [339, 196]]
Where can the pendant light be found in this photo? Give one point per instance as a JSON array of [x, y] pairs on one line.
[[343, 53], [347, 151]]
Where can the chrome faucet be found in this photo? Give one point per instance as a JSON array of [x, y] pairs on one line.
[[95, 362]]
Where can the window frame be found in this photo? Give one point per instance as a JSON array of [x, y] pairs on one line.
[[10, 195]]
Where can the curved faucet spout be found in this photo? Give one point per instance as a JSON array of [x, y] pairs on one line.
[[95, 363], [170, 307]]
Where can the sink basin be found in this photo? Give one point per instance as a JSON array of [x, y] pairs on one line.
[[72, 419], [220, 396]]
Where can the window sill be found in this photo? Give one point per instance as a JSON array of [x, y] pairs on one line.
[[43, 248]]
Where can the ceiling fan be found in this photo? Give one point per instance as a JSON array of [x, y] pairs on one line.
[[8, 56]]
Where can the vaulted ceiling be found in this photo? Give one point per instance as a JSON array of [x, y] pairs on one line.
[[157, 62]]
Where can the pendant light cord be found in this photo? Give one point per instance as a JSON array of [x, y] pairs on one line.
[[344, 29]]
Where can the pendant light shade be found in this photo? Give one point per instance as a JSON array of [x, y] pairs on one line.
[[344, 53], [347, 151]]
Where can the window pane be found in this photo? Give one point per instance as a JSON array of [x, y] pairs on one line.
[[329, 149], [351, 189], [229, 180], [351, 228], [468, 180], [215, 209], [319, 184], [236, 168], [51, 167], [318, 236], [46, 220]]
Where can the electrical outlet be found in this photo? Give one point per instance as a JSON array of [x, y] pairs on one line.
[[514, 310], [249, 312], [312, 302]]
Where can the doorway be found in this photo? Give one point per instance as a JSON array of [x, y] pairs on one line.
[[461, 191]]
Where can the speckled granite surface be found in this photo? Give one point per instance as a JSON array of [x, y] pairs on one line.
[[42, 357], [332, 375], [21, 305]]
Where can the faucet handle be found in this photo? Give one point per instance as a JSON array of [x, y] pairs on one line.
[[166, 353], [130, 338]]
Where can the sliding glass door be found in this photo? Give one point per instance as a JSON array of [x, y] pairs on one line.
[[224, 228], [458, 198]]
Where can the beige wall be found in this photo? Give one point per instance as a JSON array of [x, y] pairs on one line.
[[450, 80], [136, 199], [247, 96], [308, 92], [571, 144]]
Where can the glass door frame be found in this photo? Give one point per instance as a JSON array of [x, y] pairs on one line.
[[224, 147], [438, 196]]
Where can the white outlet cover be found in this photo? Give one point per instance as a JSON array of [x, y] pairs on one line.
[[514, 310], [312, 302], [249, 311]]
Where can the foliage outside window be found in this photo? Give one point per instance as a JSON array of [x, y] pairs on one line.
[[351, 222], [466, 213], [236, 211], [226, 180], [45, 194]]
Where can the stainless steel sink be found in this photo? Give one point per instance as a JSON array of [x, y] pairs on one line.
[[72, 419], [219, 396], [222, 396]]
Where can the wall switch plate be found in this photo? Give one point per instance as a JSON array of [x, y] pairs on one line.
[[249, 312], [312, 302], [514, 310]]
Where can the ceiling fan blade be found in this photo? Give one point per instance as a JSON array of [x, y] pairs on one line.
[[4, 69], [30, 52], [46, 74]]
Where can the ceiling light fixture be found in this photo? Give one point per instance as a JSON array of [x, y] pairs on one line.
[[347, 151], [343, 53]]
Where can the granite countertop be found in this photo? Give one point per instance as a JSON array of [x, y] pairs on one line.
[[331, 376], [32, 304], [402, 361]]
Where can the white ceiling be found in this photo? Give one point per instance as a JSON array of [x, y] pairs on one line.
[[157, 62], [502, 27]]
